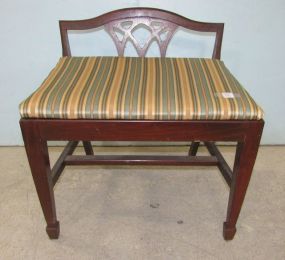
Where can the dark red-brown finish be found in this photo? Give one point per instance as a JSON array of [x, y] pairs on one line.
[[36, 132], [88, 147], [140, 160], [223, 165], [37, 152]]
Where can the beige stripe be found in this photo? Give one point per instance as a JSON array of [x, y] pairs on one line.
[[187, 97], [83, 107], [63, 101], [112, 101], [141, 99], [34, 103], [73, 101], [196, 95], [231, 111], [212, 97], [150, 90]]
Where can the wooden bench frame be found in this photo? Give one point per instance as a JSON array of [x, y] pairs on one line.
[[36, 132]]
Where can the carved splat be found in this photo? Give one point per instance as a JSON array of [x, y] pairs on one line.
[[123, 30]]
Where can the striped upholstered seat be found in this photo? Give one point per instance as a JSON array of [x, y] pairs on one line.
[[140, 88]]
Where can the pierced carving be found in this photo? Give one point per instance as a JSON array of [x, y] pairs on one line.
[[126, 25], [163, 35], [124, 30], [119, 34]]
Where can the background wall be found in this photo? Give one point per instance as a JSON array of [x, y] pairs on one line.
[[253, 49]]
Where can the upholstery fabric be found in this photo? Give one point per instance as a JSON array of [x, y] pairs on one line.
[[140, 89]]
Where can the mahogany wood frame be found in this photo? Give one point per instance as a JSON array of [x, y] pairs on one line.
[[36, 133]]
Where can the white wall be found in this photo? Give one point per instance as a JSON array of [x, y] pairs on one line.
[[253, 49]]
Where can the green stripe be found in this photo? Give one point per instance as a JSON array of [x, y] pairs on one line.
[[212, 88], [87, 85], [59, 88], [122, 86]]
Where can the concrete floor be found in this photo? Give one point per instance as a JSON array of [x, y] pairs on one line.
[[142, 212]]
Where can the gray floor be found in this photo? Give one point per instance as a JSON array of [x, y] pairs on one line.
[[142, 212]]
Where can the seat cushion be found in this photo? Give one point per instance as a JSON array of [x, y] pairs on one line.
[[140, 88]]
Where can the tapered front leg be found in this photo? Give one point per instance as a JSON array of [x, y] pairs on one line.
[[38, 157], [244, 161]]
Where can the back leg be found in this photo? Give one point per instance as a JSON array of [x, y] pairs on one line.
[[193, 148], [88, 148]]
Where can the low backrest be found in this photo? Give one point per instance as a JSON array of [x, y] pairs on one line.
[[161, 24]]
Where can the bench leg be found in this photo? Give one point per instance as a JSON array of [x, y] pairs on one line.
[[37, 152], [193, 148], [88, 148], [244, 161]]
